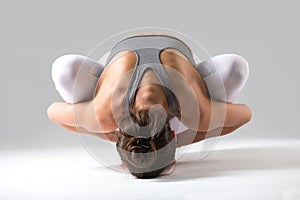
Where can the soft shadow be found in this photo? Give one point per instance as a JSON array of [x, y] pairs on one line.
[[227, 161]]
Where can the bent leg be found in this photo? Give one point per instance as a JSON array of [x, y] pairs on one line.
[[224, 75], [75, 77]]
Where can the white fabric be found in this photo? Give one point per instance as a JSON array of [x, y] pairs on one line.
[[75, 77], [229, 69]]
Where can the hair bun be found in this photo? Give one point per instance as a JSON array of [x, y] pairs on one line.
[[142, 155], [144, 142], [142, 159]]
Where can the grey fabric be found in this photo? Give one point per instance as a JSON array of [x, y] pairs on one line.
[[206, 68], [148, 48], [160, 42]]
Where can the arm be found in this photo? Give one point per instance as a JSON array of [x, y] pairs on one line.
[[189, 137], [224, 115], [110, 136], [78, 118], [236, 116]]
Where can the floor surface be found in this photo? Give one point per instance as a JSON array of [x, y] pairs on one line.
[[235, 169]]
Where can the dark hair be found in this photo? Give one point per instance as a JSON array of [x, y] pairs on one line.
[[146, 143]]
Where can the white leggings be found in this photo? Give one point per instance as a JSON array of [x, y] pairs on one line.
[[76, 73], [69, 69]]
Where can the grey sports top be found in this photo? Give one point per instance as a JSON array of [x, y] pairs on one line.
[[147, 49]]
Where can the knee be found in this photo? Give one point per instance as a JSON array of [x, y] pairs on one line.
[[239, 70], [65, 68]]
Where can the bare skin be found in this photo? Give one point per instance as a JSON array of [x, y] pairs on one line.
[[100, 116]]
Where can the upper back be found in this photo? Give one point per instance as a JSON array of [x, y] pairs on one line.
[[118, 83]]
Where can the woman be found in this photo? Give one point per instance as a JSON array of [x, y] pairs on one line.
[[135, 97]]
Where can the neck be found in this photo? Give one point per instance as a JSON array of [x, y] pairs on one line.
[[150, 94]]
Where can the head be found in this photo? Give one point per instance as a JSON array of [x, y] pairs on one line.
[[146, 143]]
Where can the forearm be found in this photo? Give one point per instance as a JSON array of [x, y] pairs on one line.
[[110, 136], [224, 115], [189, 136]]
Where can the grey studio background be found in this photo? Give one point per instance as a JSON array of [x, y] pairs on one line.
[[40, 160], [34, 33]]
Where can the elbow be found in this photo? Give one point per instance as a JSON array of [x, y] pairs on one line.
[[50, 112], [247, 115]]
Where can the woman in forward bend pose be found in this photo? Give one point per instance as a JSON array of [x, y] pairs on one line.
[[146, 83]]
